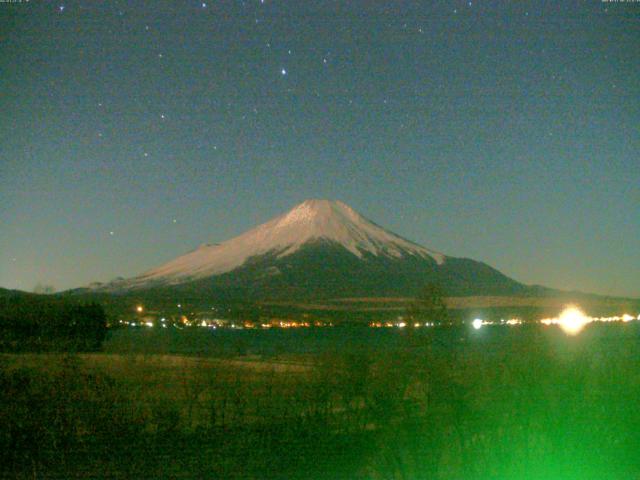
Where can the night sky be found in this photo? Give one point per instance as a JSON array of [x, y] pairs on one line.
[[507, 132]]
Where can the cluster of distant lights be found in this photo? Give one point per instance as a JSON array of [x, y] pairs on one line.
[[477, 323], [400, 324], [215, 324], [184, 321], [571, 320]]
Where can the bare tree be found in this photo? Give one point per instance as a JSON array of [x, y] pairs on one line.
[[44, 289], [428, 306]]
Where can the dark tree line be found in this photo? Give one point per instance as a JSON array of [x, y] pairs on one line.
[[33, 323]]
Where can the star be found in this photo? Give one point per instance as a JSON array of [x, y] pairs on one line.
[[61, 8], [162, 116], [111, 233], [204, 5], [283, 71], [146, 154]]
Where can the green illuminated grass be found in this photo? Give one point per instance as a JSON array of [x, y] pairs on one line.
[[523, 403]]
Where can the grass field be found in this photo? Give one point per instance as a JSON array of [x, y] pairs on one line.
[[522, 403]]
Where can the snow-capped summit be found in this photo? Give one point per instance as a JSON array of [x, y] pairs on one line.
[[337, 222], [312, 220]]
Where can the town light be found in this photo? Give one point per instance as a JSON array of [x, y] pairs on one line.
[[572, 320], [477, 323]]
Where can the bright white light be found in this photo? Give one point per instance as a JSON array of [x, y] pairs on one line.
[[139, 309], [626, 317], [477, 323], [572, 320], [402, 325]]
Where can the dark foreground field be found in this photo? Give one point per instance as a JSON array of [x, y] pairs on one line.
[[513, 403]]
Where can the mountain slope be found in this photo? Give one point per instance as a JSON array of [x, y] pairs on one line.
[[319, 249], [324, 270]]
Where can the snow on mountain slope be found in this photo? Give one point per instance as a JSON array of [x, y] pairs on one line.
[[282, 236]]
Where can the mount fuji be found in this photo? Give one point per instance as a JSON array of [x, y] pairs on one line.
[[319, 249]]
